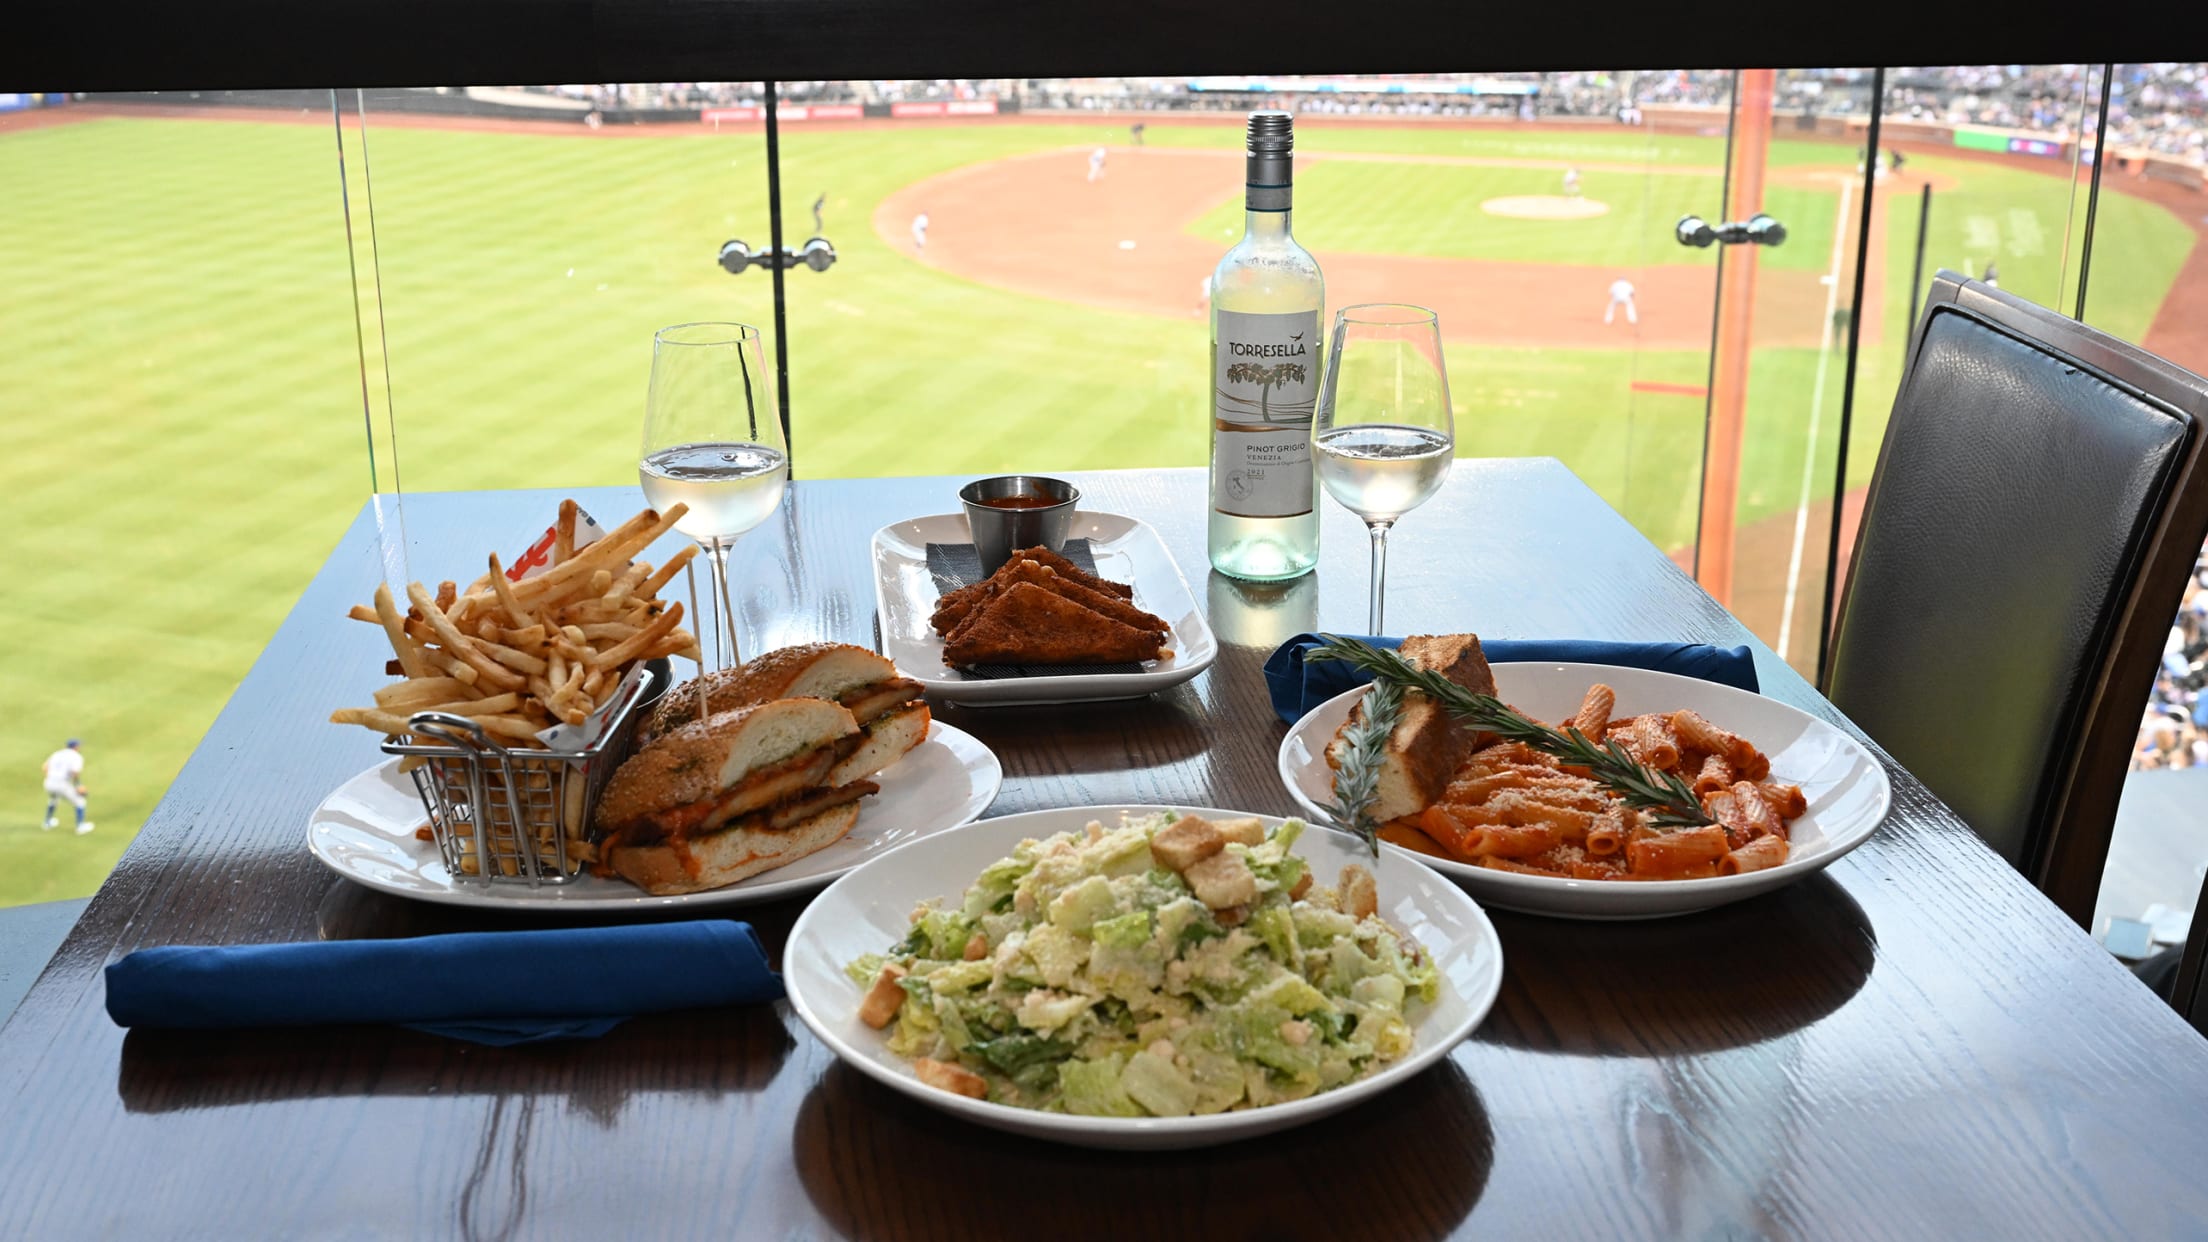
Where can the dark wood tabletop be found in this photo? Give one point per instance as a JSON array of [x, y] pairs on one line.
[[1912, 1044]]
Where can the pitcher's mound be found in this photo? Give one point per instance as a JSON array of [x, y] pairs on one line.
[[1544, 207]]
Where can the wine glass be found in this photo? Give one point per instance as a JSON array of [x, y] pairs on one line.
[[1383, 437], [712, 441]]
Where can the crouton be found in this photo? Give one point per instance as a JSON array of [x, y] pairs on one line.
[[1302, 886], [977, 947], [1185, 842], [884, 999], [956, 1079], [1222, 881], [1245, 831], [1360, 896]]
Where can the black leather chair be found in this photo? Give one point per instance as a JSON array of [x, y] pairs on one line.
[[2035, 513]]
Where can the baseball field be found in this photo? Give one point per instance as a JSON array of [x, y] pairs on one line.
[[184, 376]]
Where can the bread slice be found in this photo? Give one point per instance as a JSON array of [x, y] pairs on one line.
[[705, 759], [1427, 746], [723, 858], [1026, 624], [808, 671]]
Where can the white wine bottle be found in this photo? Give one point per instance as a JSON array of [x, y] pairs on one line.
[[1266, 298]]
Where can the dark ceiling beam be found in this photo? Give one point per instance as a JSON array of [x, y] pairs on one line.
[[238, 44]]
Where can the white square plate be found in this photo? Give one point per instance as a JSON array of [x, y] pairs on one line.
[[1126, 550]]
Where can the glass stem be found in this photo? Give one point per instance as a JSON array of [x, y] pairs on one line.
[[726, 649], [1379, 572]]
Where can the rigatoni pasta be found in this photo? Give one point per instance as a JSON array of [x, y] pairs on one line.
[[1513, 808]]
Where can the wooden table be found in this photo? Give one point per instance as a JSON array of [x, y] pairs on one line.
[[1912, 1045]]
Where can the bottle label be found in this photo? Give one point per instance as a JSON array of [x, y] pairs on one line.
[[1265, 383]]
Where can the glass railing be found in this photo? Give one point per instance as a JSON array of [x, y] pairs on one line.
[[333, 294], [182, 383]]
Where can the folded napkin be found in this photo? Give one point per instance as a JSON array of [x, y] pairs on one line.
[[1298, 687], [501, 988]]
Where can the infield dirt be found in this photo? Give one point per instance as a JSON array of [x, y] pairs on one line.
[[1036, 224]]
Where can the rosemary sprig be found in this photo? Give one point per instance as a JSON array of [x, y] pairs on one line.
[[1357, 781], [1670, 799]]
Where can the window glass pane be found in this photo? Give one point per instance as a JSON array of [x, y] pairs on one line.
[[1051, 312], [528, 242], [1797, 311], [185, 433], [2001, 149], [2149, 284]]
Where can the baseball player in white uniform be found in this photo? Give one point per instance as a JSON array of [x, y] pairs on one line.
[[1621, 294], [1096, 163], [62, 770], [1571, 183], [920, 230]]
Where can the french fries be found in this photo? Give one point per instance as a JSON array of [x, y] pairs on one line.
[[518, 657]]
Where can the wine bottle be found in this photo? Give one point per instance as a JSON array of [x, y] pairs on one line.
[[1266, 297]]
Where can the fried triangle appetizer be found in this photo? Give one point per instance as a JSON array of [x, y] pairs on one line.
[[954, 606], [1027, 624], [1067, 569]]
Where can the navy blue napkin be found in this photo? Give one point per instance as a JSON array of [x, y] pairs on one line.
[[498, 988], [1298, 687]]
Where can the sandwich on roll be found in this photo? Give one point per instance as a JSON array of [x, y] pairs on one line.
[[740, 792], [888, 707]]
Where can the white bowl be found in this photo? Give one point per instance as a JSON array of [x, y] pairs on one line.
[[866, 912], [1846, 788]]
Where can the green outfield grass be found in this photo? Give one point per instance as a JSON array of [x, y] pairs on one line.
[[184, 373]]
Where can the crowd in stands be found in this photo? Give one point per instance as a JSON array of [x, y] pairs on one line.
[[651, 96], [2162, 108], [2175, 731]]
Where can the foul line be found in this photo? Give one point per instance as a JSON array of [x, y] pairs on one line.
[[1816, 414]]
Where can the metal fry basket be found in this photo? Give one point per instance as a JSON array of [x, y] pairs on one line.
[[514, 816]]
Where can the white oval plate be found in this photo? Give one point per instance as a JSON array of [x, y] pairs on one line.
[[1126, 550], [866, 912], [1847, 789], [364, 831]]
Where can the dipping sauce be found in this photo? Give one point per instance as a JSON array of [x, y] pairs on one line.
[[1021, 502]]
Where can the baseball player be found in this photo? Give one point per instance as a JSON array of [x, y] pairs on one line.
[[62, 770], [1571, 183], [1621, 294], [920, 230], [1096, 163]]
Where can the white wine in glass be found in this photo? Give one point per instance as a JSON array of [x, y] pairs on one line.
[[712, 441], [1383, 436]]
